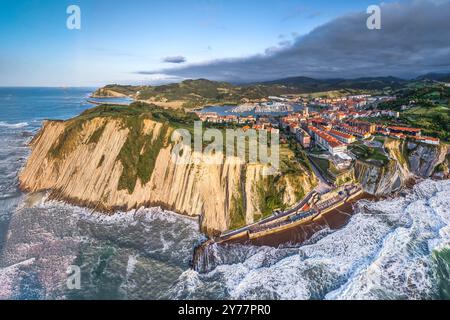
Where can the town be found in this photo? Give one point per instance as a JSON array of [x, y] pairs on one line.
[[334, 127], [333, 134]]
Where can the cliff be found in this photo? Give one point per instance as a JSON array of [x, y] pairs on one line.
[[423, 159], [107, 93], [113, 158], [407, 160]]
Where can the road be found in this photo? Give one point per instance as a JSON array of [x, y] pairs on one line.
[[321, 188], [323, 185]]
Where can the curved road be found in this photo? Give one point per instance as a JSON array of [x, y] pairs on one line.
[[323, 185]]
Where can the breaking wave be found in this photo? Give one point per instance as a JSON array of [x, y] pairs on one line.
[[13, 125], [136, 254], [390, 249]]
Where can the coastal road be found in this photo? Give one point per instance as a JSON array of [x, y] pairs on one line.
[[323, 185]]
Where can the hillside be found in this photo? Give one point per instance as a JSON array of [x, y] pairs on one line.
[[197, 93], [444, 77], [427, 107], [191, 93], [308, 85]]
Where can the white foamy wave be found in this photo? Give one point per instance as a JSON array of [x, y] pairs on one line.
[[131, 264], [403, 268], [120, 217], [13, 125], [8, 276]]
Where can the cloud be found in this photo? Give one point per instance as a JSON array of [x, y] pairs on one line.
[[175, 59], [414, 39]]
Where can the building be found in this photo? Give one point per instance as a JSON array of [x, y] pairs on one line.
[[364, 125], [342, 136], [355, 131], [306, 112], [342, 160], [326, 141], [293, 127], [246, 119], [428, 140], [303, 138], [230, 118], [405, 130]]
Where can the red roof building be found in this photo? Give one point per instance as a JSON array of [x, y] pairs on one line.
[[405, 130], [327, 141]]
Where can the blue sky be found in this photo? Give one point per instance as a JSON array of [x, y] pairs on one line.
[[119, 38]]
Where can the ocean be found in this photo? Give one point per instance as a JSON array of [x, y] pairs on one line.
[[397, 248]]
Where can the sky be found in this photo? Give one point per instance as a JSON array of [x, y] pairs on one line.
[[152, 41]]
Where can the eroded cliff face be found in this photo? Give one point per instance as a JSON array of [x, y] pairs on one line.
[[86, 165], [423, 159], [379, 180], [407, 160]]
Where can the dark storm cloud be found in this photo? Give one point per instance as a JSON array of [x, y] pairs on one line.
[[414, 39], [176, 59]]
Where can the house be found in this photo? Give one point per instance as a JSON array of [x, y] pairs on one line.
[[405, 130], [355, 131], [342, 136], [303, 138], [326, 141], [428, 140], [363, 125], [293, 127]]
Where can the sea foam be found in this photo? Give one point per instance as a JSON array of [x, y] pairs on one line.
[[384, 252]]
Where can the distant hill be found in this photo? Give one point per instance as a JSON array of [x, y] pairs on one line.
[[306, 85], [193, 93], [197, 93], [443, 77]]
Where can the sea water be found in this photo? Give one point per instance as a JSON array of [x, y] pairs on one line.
[[391, 249]]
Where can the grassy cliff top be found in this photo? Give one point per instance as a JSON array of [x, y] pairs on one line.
[[138, 154], [138, 109]]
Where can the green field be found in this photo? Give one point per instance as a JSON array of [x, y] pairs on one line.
[[429, 109], [368, 154]]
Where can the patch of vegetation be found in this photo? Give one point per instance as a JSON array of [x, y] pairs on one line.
[[300, 154], [429, 109], [138, 154], [68, 140], [270, 194], [369, 154], [238, 212], [147, 159], [121, 89], [321, 164], [95, 137]]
